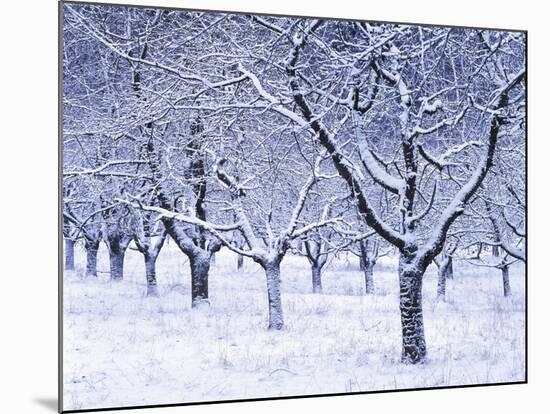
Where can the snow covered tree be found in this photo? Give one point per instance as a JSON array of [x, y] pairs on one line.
[[149, 236], [316, 249], [70, 235], [369, 255], [444, 268], [418, 99], [238, 117], [255, 197]]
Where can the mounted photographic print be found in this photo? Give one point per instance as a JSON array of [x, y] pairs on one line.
[[258, 206]]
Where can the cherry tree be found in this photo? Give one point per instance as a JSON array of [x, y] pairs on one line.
[[262, 200], [238, 118], [317, 249], [444, 268], [423, 105]]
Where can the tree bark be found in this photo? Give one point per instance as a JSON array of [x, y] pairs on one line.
[[91, 257], [316, 278], [506, 280], [117, 245], [362, 262], [369, 276], [200, 266], [69, 254], [449, 274], [442, 276], [367, 266], [116, 263], [273, 277], [151, 274], [410, 305]]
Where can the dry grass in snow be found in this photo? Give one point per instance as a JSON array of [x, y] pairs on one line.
[[122, 348]]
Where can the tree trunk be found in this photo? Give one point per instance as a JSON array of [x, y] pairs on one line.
[[151, 274], [410, 304], [367, 266], [506, 280], [495, 251], [369, 276], [273, 277], [117, 245], [91, 257], [449, 274], [442, 276], [69, 254], [200, 266], [240, 261], [362, 263], [479, 250], [116, 263], [316, 278]]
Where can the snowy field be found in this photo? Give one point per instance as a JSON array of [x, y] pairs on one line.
[[122, 348]]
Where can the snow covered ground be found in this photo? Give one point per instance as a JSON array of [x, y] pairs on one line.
[[122, 348]]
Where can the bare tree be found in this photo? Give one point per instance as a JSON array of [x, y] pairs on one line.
[[444, 266], [316, 249], [413, 109], [149, 236], [411, 119]]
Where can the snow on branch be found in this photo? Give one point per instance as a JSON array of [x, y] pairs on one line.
[[299, 206], [499, 232], [456, 207], [441, 161], [237, 194], [448, 122], [275, 103], [109, 164], [326, 139], [84, 23], [216, 230], [378, 174], [181, 216], [426, 210]]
